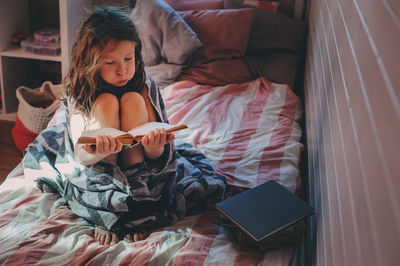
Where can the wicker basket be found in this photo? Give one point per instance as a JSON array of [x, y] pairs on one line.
[[35, 109]]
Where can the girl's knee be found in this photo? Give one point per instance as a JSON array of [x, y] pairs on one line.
[[133, 110], [106, 102], [105, 111], [130, 99]]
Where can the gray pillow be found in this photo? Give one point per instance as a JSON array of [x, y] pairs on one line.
[[272, 30], [165, 35], [164, 74]]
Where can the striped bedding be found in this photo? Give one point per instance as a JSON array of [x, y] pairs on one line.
[[249, 134]]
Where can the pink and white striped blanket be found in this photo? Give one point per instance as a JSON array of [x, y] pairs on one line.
[[37, 229], [249, 131], [250, 135]]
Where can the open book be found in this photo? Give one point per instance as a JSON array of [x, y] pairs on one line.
[[127, 138]]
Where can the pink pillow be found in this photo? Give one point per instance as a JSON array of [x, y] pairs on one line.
[[218, 72], [224, 34], [181, 5]]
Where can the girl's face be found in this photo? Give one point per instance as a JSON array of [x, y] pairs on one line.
[[118, 66]]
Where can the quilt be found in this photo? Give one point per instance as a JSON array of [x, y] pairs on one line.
[[121, 200]]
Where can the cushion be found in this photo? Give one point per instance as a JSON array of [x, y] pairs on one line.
[[283, 6], [163, 73], [277, 67], [224, 34], [162, 30], [218, 72], [181, 5], [272, 30], [263, 4]]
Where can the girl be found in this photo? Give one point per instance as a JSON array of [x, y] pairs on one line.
[[106, 86]]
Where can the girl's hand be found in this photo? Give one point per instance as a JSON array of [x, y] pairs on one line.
[[104, 145], [154, 142]]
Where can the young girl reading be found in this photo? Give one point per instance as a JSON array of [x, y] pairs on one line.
[[106, 86]]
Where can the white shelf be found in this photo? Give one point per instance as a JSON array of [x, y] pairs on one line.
[[8, 116], [19, 53], [17, 67]]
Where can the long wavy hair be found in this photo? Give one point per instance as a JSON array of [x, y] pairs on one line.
[[87, 55]]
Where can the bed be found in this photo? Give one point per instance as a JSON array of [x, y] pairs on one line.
[[234, 88]]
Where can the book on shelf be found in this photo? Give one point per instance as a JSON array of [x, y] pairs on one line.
[[264, 216], [127, 138]]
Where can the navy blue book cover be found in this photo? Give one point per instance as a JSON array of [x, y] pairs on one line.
[[264, 210]]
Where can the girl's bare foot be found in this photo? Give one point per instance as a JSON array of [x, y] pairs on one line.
[[142, 235], [105, 237]]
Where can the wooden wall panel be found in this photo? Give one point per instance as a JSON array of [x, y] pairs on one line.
[[352, 103]]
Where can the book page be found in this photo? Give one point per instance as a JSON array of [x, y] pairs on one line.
[[103, 131], [140, 130], [146, 128]]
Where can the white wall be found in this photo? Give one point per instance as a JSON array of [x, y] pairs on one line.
[[352, 103]]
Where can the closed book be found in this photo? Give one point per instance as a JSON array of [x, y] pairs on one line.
[[264, 210]]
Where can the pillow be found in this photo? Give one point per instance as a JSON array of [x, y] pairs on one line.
[[272, 30], [277, 67], [162, 30], [181, 5], [224, 35], [218, 72], [263, 4], [282, 6], [164, 74]]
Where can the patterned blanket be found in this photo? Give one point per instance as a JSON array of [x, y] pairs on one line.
[[148, 196], [122, 200]]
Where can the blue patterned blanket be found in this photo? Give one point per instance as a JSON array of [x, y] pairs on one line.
[[120, 200]]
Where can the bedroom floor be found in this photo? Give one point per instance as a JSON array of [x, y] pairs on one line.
[[10, 156]]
